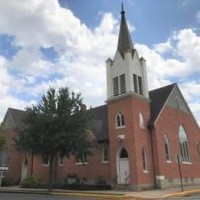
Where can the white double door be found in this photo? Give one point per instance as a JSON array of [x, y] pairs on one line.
[[123, 171]]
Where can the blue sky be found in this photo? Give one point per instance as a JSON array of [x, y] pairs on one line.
[[55, 43]]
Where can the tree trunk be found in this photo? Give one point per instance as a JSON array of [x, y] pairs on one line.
[[50, 172], [55, 170], [32, 158]]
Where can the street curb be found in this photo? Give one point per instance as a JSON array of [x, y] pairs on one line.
[[182, 194], [129, 197], [83, 194], [25, 192], [95, 195]]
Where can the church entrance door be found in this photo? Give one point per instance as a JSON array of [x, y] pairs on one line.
[[122, 167]]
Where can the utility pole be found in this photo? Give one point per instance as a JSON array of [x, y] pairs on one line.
[[180, 173], [1, 176]]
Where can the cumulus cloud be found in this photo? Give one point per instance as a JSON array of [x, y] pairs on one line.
[[81, 55], [164, 47], [81, 52]]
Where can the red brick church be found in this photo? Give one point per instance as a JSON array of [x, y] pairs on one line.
[[139, 132]]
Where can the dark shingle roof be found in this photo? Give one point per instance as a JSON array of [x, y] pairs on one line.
[[158, 97], [99, 123], [17, 116], [124, 39]]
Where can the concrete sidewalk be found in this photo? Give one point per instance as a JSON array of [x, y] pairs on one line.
[[113, 194], [165, 193]]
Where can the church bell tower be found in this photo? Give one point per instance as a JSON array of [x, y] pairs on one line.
[[126, 74], [128, 112]]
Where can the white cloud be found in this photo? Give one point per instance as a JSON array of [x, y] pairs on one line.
[[198, 16], [191, 90], [82, 53], [162, 48], [131, 2], [188, 48], [195, 107], [5, 78]]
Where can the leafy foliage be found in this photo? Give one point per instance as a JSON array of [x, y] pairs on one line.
[[56, 126], [30, 182]]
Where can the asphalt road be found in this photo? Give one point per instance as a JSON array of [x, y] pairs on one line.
[[21, 196], [193, 197]]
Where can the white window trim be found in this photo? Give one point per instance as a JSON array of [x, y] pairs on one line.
[[186, 163], [120, 127], [183, 136], [144, 160], [141, 121], [120, 114], [166, 142], [61, 164], [81, 163], [46, 165], [105, 161]]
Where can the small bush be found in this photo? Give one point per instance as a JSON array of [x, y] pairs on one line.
[[101, 180], [6, 182], [30, 182]]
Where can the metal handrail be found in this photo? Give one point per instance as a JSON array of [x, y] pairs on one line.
[[125, 180]]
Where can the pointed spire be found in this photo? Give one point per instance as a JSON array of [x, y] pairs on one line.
[[122, 12], [124, 40]]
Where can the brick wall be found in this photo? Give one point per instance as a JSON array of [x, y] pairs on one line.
[[168, 123], [15, 160], [89, 172], [136, 138]]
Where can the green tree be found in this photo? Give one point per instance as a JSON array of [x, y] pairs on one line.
[[56, 126]]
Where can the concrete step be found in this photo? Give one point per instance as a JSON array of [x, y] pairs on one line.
[[122, 187]]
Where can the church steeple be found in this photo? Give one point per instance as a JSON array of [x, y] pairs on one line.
[[126, 73], [124, 40]]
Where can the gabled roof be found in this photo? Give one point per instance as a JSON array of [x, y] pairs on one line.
[[15, 117], [158, 97], [98, 125]]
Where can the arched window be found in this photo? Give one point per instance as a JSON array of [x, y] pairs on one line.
[[105, 153], [198, 149], [4, 158], [144, 160], [183, 145], [120, 122], [123, 153], [141, 120], [166, 145]]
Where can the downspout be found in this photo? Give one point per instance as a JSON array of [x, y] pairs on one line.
[[32, 158], [151, 128]]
